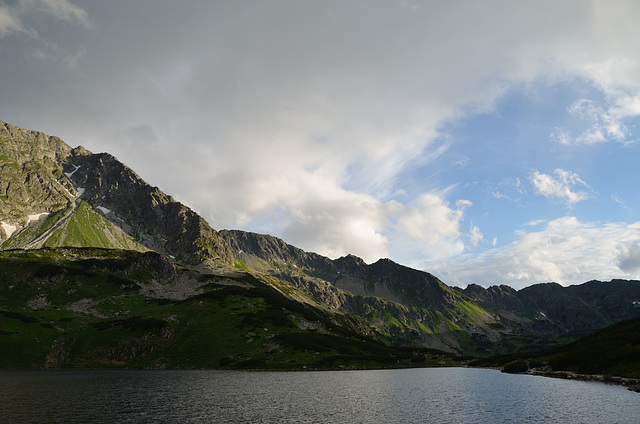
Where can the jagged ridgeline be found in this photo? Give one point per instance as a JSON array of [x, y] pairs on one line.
[[52, 195], [97, 262]]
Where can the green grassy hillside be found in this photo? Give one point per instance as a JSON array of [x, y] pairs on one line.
[[612, 351], [79, 226], [90, 308]]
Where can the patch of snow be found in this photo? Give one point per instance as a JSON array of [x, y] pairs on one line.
[[8, 228], [36, 217], [542, 313], [80, 191], [172, 257], [69, 174], [106, 211]]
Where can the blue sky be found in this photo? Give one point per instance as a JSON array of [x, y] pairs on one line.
[[491, 142], [500, 161]]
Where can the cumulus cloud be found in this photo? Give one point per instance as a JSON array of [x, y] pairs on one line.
[[431, 227], [628, 258], [566, 251], [430, 220], [561, 186], [336, 227]]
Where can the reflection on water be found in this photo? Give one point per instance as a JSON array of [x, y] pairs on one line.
[[443, 395]]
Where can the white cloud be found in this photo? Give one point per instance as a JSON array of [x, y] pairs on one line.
[[507, 189], [561, 186], [628, 257], [337, 227], [433, 227], [475, 235], [603, 125], [620, 202], [566, 251], [535, 222], [298, 120], [612, 67]]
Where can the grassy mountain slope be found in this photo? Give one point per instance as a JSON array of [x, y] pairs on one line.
[[77, 226], [611, 354], [41, 175], [69, 307], [32, 180], [614, 350], [412, 307], [144, 212], [52, 195]]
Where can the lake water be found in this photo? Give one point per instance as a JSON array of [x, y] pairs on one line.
[[439, 395]]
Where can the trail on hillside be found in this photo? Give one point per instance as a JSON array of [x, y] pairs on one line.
[[39, 241]]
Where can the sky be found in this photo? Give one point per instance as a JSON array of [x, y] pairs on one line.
[[487, 142]]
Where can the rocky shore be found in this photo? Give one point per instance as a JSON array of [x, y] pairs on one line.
[[632, 384]]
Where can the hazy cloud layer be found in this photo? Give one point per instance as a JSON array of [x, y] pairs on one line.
[[12, 14], [303, 118]]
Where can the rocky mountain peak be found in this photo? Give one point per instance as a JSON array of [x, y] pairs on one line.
[[42, 175], [20, 144]]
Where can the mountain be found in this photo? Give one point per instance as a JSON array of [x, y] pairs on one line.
[[411, 307], [88, 308], [611, 354], [55, 197], [46, 182]]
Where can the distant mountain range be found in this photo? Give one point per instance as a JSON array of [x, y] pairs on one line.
[[104, 252]]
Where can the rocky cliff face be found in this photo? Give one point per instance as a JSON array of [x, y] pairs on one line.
[[32, 182], [42, 176], [145, 212], [411, 306]]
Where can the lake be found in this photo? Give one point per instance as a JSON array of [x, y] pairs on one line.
[[442, 395]]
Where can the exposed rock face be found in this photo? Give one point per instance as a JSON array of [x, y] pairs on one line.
[[384, 278], [419, 300], [41, 175], [31, 176], [246, 245], [145, 212]]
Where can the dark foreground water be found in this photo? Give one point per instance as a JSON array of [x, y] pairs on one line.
[[438, 395]]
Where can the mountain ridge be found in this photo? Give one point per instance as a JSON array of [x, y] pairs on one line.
[[53, 195]]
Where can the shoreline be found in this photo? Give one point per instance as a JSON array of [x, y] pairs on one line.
[[632, 384]]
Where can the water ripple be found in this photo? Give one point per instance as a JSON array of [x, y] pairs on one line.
[[443, 395]]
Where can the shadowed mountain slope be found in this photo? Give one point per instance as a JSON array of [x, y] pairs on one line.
[[54, 196]]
